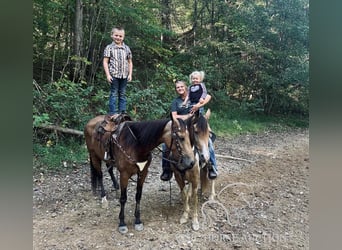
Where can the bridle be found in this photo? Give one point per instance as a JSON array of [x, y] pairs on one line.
[[175, 140]]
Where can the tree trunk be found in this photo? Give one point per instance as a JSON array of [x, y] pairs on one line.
[[61, 129], [166, 19], [78, 37]]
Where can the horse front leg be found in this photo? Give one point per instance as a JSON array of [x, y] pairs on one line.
[[186, 193], [138, 225], [110, 171], [123, 198], [212, 190], [195, 223]]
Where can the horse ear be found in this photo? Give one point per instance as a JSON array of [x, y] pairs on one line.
[[207, 114]]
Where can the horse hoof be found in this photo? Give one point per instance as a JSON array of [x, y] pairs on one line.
[[195, 226], [183, 220], [212, 197], [123, 229], [139, 227], [104, 202]]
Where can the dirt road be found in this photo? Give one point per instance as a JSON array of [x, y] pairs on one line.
[[262, 203]]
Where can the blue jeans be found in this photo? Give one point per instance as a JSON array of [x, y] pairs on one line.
[[212, 157], [165, 156], [117, 93]]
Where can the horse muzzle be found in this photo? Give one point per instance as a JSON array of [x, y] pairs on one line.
[[186, 163]]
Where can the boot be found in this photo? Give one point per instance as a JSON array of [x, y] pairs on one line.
[[167, 172], [211, 172], [166, 175]]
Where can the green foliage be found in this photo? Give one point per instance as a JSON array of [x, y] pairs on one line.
[[62, 103], [58, 157], [154, 100]]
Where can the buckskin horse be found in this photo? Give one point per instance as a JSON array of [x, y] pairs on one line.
[[198, 175], [131, 146]]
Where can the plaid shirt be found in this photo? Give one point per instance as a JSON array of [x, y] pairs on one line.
[[118, 59]]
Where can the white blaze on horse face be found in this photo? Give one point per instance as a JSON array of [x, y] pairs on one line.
[[205, 150]]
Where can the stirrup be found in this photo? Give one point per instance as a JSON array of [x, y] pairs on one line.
[[106, 156]]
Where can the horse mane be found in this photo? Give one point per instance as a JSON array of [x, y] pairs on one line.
[[143, 133], [202, 124]]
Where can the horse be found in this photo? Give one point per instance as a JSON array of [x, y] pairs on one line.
[[97, 134], [131, 148], [198, 175]]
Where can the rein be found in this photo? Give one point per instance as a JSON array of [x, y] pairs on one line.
[[113, 139], [167, 159]]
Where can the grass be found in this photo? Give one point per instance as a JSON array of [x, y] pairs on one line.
[[230, 125], [63, 156]]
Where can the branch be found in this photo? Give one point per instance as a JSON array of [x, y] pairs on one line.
[[232, 158], [61, 129]]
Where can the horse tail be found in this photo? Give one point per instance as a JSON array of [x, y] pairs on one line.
[[204, 179]]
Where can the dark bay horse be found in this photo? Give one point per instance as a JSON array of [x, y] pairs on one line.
[[131, 147], [97, 134], [196, 176]]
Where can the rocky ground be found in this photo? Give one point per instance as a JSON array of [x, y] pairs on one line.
[[262, 203]]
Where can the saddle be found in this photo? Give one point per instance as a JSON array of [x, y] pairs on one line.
[[106, 128]]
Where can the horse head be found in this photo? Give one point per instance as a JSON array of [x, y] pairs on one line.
[[199, 134], [181, 147]]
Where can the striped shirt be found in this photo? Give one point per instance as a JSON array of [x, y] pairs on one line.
[[118, 59]]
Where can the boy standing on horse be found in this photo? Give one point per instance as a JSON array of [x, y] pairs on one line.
[[118, 66]]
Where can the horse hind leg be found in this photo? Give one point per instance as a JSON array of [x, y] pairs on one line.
[[93, 177], [97, 180]]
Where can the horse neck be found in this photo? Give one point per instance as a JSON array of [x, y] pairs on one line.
[[146, 137], [166, 138]]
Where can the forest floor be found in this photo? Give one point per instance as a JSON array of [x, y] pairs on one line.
[[262, 203]]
